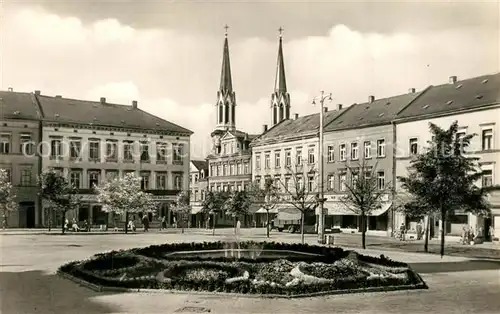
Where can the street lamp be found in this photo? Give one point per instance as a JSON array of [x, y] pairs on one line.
[[321, 199]]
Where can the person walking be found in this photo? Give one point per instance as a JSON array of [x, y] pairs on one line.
[[145, 222], [419, 230]]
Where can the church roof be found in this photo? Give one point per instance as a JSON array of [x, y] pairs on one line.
[[226, 83], [280, 81]]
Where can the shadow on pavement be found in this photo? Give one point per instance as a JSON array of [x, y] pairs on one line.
[[446, 267], [37, 292]]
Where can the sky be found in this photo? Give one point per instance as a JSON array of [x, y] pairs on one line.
[[167, 54]]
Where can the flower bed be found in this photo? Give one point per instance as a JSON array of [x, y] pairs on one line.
[[154, 268]]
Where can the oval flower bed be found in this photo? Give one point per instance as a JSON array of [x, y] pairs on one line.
[[325, 270]]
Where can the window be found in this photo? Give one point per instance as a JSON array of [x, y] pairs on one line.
[[145, 180], [128, 150], [368, 149], [161, 153], [354, 178], [342, 181], [75, 146], [218, 188], [310, 158], [225, 170], [75, 178], [145, 152], [247, 168], [195, 178], [331, 182], [298, 156], [178, 181], [26, 177], [55, 149], [240, 168], [288, 158], [161, 181], [26, 144], [354, 151], [300, 184], [4, 143], [94, 151], [277, 180], [381, 180], [343, 152], [195, 196], [224, 151], [7, 171], [219, 170], [267, 161], [277, 161], [93, 179], [111, 151], [111, 175], [257, 182], [487, 179], [413, 146], [232, 170], [380, 148], [487, 139], [331, 156], [257, 162], [178, 153]]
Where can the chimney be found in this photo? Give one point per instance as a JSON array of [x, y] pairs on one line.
[[103, 100], [37, 92], [10, 89], [134, 104], [371, 99], [325, 109], [295, 116], [339, 106], [264, 128], [411, 90], [453, 79], [58, 96]]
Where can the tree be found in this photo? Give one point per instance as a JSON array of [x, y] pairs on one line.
[[267, 197], [7, 196], [213, 203], [299, 193], [415, 208], [444, 179], [182, 208], [237, 203], [363, 195], [124, 196], [61, 195]]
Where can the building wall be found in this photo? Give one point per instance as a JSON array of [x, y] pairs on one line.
[[24, 170], [471, 122], [336, 167]]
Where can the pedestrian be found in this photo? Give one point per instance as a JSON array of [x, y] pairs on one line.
[[419, 230], [145, 222], [163, 222], [402, 231]]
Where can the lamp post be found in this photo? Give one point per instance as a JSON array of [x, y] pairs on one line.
[[321, 199]]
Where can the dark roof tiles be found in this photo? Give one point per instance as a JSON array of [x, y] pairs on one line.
[[14, 105], [200, 164]]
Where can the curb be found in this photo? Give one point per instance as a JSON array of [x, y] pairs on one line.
[[98, 288]]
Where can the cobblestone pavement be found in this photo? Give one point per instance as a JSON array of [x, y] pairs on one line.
[[28, 283]]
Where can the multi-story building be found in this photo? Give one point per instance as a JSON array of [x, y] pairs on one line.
[[93, 141], [198, 187], [19, 139], [361, 137], [475, 104]]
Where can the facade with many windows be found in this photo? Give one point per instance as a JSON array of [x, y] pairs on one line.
[[91, 142], [475, 104], [198, 187], [19, 140]]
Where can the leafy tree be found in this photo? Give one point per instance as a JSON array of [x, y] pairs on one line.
[[124, 196], [61, 195], [213, 203], [267, 197], [363, 195], [444, 178], [237, 203], [296, 191], [182, 208], [7, 196]]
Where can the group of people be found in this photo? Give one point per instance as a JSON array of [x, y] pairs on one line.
[[419, 231]]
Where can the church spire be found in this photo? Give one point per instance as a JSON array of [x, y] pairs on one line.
[[226, 98], [280, 99], [226, 83]]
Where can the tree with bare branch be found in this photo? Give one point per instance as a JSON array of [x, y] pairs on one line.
[[363, 193], [268, 198], [299, 189], [182, 208]]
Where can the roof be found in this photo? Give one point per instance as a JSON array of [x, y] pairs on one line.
[[226, 84], [200, 164], [236, 133], [280, 80], [291, 129], [465, 94], [380, 111], [14, 105], [58, 109]]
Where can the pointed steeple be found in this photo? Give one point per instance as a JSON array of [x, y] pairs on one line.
[[226, 83], [280, 82], [280, 99]]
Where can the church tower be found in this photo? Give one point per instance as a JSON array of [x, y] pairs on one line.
[[280, 99], [226, 98]]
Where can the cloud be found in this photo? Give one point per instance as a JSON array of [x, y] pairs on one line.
[[175, 74]]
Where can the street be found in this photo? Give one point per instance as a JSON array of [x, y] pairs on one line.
[[29, 283]]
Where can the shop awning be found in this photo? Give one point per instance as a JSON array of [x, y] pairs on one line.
[[271, 211], [340, 209], [196, 209]]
